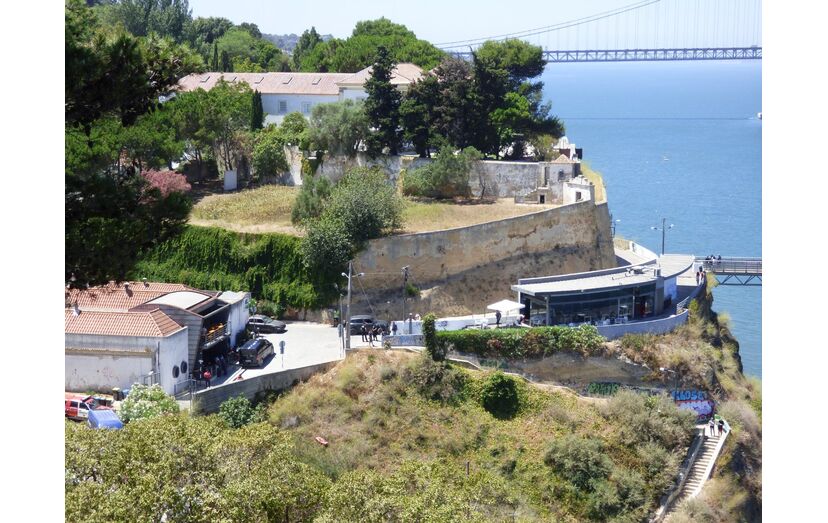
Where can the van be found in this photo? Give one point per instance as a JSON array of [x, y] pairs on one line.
[[358, 321], [254, 352]]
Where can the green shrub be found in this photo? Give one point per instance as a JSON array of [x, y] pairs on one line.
[[270, 266], [430, 337], [640, 419], [446, 177], [435, 380], [580, 460], [521, 342], [238, 412], [147, 402], [499, 395], [412, 291]]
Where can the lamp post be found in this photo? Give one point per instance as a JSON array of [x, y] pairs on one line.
[[348, 306], [663, 230], [404, 288]]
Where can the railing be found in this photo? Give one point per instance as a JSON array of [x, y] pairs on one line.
[[216, 334], [185, 388], [732, 265], [681, 478], [683, 304]]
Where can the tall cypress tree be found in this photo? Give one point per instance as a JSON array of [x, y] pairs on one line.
[[215, 64], [257, 115], [382, 106], [226, 63]]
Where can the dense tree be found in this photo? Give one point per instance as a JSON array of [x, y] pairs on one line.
[[142, 17], [365, 203], [251, 28], [458, 116], [294, 129], [229, 113], [313, 195], [338, 128], [382, 107], [147, 401], [257, 112], [307, 42], [111, 213], [269, 154], [238, 412], [246, 53], [417, 114], [206, 30]]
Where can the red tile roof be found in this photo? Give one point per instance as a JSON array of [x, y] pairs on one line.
[[116, 297], [270, 83], [402, 74], [154, 323]]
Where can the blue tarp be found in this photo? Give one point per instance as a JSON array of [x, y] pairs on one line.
[[104, 419]]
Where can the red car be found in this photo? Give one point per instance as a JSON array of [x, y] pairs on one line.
[[77, 407]]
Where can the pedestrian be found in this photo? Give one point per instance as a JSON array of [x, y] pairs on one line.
[[698, 276], [207, 377], [721, 426], [371, 338], [417, 317], [363, 331], [712, 426], [393, 328], [719, 261], [377, 332], [497, 318]]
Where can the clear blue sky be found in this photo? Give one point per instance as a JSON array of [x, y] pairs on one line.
[[700, 21]]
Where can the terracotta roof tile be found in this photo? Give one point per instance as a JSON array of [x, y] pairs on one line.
[[116, 297], [270, 83], [402, 74], [154, 323]]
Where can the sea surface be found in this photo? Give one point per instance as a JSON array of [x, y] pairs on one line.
[[681, 141]]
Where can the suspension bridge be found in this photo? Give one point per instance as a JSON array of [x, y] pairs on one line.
[[648, 30]]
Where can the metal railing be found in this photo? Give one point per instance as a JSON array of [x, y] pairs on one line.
[[681, 478], [684, 304], [732, 265]]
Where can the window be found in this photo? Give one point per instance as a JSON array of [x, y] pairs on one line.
[[578, 197], [306, 107], [175, 371], [282, 106], [184, 367]]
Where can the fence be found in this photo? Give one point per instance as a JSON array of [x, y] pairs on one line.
[[681, 478]]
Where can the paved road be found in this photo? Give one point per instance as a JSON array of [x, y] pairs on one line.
[[305, 344]]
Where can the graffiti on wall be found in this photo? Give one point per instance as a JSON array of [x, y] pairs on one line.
[[603, 388], [695, 400]]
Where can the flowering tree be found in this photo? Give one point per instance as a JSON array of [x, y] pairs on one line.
[[167, 181], [147, 402]]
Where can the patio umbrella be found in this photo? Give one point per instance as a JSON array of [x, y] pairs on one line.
[[505, 306]]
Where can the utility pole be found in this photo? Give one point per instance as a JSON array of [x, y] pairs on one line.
[[663, 230], [348, 305], [404, 288]]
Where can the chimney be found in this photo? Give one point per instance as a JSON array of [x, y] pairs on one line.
[[75, 309]]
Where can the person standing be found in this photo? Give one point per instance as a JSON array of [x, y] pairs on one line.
[[497, 318], [712, 426], [363, 330], [207, 377], [721, 426], [393, 328]]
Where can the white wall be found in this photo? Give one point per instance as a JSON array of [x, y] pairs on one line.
[[352, 94], [102, 362], [270, 102], [577, 185], [239, 314], [670, 289]]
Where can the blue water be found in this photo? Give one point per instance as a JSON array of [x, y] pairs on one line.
[[678, 140]]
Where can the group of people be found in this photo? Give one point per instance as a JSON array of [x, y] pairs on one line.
[[216, 368], [371, 334], [712, 260], [713, 425], [699, 275]]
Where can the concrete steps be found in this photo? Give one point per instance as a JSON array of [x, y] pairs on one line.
[[698, 473]]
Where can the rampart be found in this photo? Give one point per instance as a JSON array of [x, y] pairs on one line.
[[579, 233]]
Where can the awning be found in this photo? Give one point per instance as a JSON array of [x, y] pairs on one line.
[[505, 306]]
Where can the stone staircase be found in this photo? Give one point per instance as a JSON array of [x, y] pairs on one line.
[[698, 473]]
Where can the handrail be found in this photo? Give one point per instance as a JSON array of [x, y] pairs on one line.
[[682, 475], [682, 305], [732, 265]]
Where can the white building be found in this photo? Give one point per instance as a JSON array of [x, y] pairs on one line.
[[120, 334], [284, 93]]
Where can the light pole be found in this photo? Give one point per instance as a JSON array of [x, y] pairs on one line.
[[339, 318], [348, 313], [663, 230], [404, 288]]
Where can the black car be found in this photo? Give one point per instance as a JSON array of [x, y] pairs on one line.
[[263, 324], [254, 352], [358, 321]]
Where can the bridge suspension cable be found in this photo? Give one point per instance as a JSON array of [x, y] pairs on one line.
[[550, 28]]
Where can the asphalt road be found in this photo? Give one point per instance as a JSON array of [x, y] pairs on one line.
[[304, 344]]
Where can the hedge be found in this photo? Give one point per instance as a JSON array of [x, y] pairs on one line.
[[268, 265], [522, 342]]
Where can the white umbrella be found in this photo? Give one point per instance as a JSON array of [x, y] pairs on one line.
[[505, 306]]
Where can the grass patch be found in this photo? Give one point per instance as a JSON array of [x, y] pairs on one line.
[[264, 209], [597, 180], [423, 216]]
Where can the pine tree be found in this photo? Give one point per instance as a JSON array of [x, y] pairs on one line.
[[226, 63], [382, 106], [257, 115], [215, 64]]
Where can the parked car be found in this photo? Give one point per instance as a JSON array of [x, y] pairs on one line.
[[77, 406], [358, 321], [264, 324], [254, 352]]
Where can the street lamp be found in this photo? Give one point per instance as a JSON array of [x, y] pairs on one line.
[[663, 230], [404, 289], [348, 317]]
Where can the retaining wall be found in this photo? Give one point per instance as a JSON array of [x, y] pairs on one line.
[[581, 230], [657, 326], [208, 401]]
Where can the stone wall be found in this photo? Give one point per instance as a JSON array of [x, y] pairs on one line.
[[582, 230], [209, 400]]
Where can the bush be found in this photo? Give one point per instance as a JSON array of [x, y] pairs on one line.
[[269, 155], [238, 412], [434, 380], [640, 419], [338, 127], [326, 247], [311, 199], [365, 203], [446, 177], [430, 338], [580, 460], [147, 402], [521, 342], [499, 395]]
